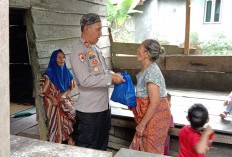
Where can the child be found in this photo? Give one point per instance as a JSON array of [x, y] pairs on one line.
[[193, 139], [228, 110], [166, 145]]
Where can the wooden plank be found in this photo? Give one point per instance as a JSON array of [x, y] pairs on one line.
[[15, 119], [199, 63], [80, 7], [23, 4], [58, 18], [32, 132], [116, 146], [45, 48], [188, 93], [187, 27], [131, 48], [123, 123], [174, 49], [118, 140], [97, 1], [55, 32], [130, 62], [198, 80], [23, 124], [40, 110], [124, 48], [125, 62]]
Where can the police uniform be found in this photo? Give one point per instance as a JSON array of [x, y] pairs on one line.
[[93, 80]]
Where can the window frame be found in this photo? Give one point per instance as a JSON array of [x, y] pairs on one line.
[[212, 12]]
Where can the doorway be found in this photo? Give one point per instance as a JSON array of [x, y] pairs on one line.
[[21, 81]]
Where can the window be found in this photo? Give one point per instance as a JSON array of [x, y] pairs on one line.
[[212, 11]]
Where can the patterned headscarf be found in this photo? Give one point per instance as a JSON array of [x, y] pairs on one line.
[[89, 19], [60, 76]]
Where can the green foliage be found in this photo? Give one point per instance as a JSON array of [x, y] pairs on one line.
[[195, 42], [111, 11], [117, 16], [217, 46]]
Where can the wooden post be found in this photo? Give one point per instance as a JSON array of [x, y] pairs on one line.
[[187, 27], [4, 82], [40, 110]]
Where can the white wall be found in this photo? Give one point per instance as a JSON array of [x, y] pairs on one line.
[[146, 23], [165, 20], [207, 31], [172, 20]]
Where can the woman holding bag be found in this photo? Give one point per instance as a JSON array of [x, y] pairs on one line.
[[152, 112]]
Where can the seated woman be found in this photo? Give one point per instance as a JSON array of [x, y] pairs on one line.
[[55, 85], [152, 112], [228, 104]]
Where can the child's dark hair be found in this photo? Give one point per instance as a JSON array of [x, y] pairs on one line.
[[169, 95], [198, 115]]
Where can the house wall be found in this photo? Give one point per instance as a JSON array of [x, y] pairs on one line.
[[4, 83], [171, 23], [55, 25], [146, 23], [165, 20], [205, 29]]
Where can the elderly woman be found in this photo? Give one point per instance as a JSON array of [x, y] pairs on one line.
[[152, 112], [55, 85]]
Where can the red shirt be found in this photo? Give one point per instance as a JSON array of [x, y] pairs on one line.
[[188, 138]]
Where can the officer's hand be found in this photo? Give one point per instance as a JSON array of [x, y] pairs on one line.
[[117, 78]]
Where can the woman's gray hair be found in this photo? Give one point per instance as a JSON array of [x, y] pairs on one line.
[[154, 48]]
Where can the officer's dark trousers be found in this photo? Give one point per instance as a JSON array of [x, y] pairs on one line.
[[93, 129]]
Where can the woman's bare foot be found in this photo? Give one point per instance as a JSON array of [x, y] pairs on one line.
[[223, 115], [71, 141]]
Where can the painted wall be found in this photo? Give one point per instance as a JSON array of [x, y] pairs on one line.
[[146, 23], [165, 20], [207, 31]]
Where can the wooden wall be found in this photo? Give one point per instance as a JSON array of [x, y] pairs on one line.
[[55, 24], [180, 71]]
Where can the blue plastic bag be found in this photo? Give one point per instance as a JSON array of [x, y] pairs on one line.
[[124, 93]]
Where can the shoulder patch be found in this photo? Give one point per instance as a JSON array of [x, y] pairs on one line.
[[95, 61], [86, 44], [95, 69], [90, 53], [82, 57], [92, 57]]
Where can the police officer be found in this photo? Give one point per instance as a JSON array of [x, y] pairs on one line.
[[93, 80]]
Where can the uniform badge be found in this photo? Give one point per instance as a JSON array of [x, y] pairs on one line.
[[90, 53], [92, 57], [82, 57], [95, 69], [95, 61], [86, 43]]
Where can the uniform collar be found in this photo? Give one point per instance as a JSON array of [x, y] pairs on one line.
[[85, 43]]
